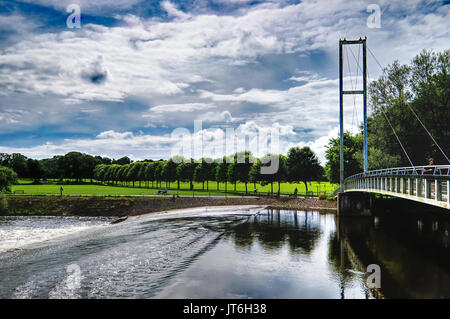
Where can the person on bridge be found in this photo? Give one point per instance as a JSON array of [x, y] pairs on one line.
[[429, 170]]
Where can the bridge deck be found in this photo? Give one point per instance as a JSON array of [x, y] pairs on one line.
[[426, 184]]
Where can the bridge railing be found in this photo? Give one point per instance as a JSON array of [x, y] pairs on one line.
[[430, 184]]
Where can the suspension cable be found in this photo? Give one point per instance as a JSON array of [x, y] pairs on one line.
[[395, 133], [398, 139], [445, 155], [415, 114]]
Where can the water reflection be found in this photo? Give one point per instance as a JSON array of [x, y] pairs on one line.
[[273, 254], [411, 249], [273, 229]]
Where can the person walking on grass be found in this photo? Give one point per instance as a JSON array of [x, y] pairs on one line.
[[61, 191]]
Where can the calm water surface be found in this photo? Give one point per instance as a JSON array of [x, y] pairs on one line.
[[224, 253]]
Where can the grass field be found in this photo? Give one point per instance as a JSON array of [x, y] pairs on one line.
[[52, 187]]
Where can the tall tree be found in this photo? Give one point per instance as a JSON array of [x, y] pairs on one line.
[[19, 164], [158, 172], [352, 144], [169, 171], [34, 169], [133, 172], [201, 172], [221, 172], [185, 172], [401, 93], [303, 165], [7, 178]]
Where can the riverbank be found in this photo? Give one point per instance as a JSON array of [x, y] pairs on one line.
[[138, 205]]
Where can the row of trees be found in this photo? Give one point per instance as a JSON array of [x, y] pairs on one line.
[[73, 165], [301, 165]]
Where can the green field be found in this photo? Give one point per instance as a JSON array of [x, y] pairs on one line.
[[52, 187]]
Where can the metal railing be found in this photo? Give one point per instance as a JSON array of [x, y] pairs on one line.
[[428, 184]]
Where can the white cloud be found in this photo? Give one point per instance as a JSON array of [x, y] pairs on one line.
[[172, 10], [174, 108], [183, 67]]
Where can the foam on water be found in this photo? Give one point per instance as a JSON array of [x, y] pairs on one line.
[[21, 232]]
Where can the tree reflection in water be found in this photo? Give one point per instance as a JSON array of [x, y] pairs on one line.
[[272, 229]]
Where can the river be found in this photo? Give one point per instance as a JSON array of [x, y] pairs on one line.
[[224, 252]]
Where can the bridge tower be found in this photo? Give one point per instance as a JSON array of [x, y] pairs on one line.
[[341, 103]]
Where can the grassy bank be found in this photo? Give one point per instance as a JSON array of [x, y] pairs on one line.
[[52, 187]]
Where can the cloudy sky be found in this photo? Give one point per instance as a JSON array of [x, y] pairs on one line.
[[137, 71]]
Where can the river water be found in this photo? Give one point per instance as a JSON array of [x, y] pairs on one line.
[[223, 252]]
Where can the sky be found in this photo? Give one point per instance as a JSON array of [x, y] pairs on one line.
[[136, 74]]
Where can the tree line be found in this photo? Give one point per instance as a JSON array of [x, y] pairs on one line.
[[300, 165], [73, 165]]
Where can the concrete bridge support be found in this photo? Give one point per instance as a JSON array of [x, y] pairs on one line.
[[355, 204]]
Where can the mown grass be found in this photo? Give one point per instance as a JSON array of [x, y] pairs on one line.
[[52, 187]]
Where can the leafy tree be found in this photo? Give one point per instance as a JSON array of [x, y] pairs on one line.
[[185, 171], [281, 174], [158, 172], [141, 173], [239, 169], [122, 161], [221, 172], [7, 178], [5, 159], [50, 168], [123, 173], [351, 164], [402, 92], [232, 174], [72, 165], [254, 175], [88, 165], [34, 169], [303, 165], [201, 172], [150, 172], [133, 172], [100, 172], [169, 171], [19, 164]]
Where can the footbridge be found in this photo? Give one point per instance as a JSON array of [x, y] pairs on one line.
[[426, 184], [359, 194]]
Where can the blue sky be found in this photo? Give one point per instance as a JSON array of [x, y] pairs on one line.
[[137, 70]]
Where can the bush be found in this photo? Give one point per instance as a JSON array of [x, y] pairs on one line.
[[322, 196], [7, 178]]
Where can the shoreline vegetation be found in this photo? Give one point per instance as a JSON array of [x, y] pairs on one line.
[[71, 187], [118, 206]]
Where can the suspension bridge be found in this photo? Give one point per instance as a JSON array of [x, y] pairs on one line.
[[429, 185]]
